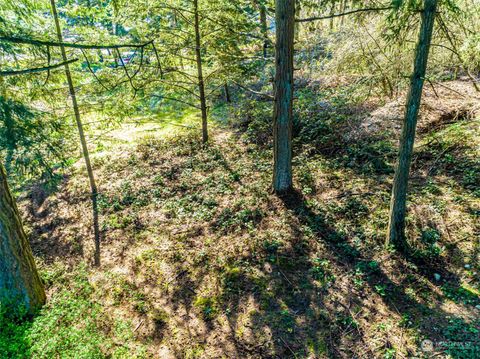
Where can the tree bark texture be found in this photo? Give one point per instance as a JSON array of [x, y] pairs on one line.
[[20, 283], [396, 227], [283, 112]]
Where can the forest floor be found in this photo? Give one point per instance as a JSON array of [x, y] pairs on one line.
[[200, 260]]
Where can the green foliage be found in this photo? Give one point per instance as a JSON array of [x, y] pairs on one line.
[[429, 244], [189, 193], [231, 278], [390, 353], [462, 338], [14, 325], [321, 271], [230, 220], [271, 248], [253, 118], [208, 307], [381, 289], [461, 294], [369, 268], [287, 320], [347, 321], [31, 146], [72, 324], [377, 156]]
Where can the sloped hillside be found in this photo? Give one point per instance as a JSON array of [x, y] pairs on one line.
[[200, 261]]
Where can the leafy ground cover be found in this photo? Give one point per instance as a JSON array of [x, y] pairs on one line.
[[199, 260]]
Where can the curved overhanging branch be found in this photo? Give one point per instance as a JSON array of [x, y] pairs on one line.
[[35, 69], [262, 94], [176, 100], [315, 18], [26, 41]]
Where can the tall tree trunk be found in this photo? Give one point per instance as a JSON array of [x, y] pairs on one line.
[[86, 156], [201, 85], [396, 226], [263, 25], [283, 112], [19, 280]]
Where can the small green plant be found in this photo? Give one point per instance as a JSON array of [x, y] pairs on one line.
[[194, 352], [208, 307], [390, 353], [368, 268], [381, 289], [321, 271], [231, 278], [461, 294], [348, 250], [287, 320], [429, 244], [406, 321], [347, 321], [358, 278]]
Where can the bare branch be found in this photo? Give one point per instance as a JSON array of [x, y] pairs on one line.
[[158, 60], [315, 18], [21, 40], [452, 43], [130, 79], [36, 69], [177, 100], [263, 94], [93, 72]]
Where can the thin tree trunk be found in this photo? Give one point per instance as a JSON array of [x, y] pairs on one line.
[[20, 283], [86, 156], [263, 26], [227, 93], [332, 11], [343, 6], [201, 85], [11, 139], [396, 226], [283, 112], [297, 24]]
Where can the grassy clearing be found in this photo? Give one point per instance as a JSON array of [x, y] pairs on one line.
[[201, 261]]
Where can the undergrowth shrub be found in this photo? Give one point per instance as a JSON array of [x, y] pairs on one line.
[[71, 323], [13, 327], [324, 122]]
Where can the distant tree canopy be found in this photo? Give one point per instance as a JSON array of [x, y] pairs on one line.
[[235, 37]]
